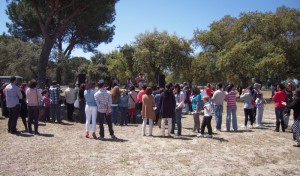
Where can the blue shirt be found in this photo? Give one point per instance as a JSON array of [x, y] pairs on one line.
[[156, 98], [123, 101], [13, 94], [247, 97], [196, 99], [89, 96]]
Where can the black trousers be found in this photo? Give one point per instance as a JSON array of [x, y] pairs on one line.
[[13, 118], [33, 117], [70, 111], [206, 122], [108, 121], [248, 113]]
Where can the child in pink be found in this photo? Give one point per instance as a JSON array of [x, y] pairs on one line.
[[46, 106]]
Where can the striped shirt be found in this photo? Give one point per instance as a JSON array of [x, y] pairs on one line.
[[103, 100], [231, 99]]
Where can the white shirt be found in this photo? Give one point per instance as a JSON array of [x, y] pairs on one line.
[[203, 93], [207, 113], [70, 95]]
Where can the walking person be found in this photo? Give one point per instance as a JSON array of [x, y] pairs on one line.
[[206, 122], [279, 97], [260, 106], [167, 106], [54, 92], [70, 95], [90, 109], [218, 99], [248, 107], [13, 94], [33, 99], [148, 111], [295, 105], [23, 110], [179, 98], [230, 98], [104, 100], [197, 106]]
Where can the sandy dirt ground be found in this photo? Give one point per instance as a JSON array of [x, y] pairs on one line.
[[62, 149]]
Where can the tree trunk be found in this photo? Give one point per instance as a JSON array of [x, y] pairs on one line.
[[43, 62]]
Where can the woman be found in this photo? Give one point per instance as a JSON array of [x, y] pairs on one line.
[[115, 93], [123, 106], [248, 107], [197, 106], [23, 110], [82, 117], [295, 105], [230, 98], [279, 97], [132, 100], [90, 109], [179, 98], [148, 111], [33, 98], [167, 105]]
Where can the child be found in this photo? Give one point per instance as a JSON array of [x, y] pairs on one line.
[[207, 118], [46, 106], [123, 105], [260, 104]]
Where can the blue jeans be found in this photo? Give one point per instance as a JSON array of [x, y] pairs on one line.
[[279, 118], [218, 116], [231, 116], [33, 115], [123, 112], [114, 114], [187, 108], [177, 120], [55, 112]]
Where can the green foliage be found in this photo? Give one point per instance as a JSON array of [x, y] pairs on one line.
[[98, 68]]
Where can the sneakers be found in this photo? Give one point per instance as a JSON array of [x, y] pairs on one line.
[[251, 126], [209, 136], [113, 137], [217, 130], [200, 135], [94, 136], [243, 126], [100, 138]]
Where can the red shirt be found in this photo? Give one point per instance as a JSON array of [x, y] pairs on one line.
[[140, 94], [279, 97], [208, 92]]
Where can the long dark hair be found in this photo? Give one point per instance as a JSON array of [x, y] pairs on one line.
[[167, 91], [178, 88], [229, 88]]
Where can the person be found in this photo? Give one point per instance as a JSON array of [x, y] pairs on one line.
[[104, 100], [116, 94], [3, 101], [167, 105], [230, 98], [148, 111], [82, 118], [295, 105], [187, 100], [289, 98], [248, 107], [156, 98], [23, 110], [197, 105], [123, 106], [46, 106], [260, 104], [13, 94], [33, 99], [90, 109], [140, 80], [279, 97], [218, 99], [206, 122], [55, 98], [255, 92], [70, 95], [209, 91], [132, 100], [179, 97], [139, 98], [128, 83]]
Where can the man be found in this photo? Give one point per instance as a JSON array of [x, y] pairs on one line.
[[70, 95], [218, 99], [104, 100], [256, 91], [54, 93], [13, 94]]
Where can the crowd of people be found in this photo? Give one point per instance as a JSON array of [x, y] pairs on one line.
[[151, 105]]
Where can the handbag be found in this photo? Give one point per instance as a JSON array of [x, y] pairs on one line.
[[76, 103]]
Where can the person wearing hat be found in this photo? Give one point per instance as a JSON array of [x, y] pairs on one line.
[[295, 105]]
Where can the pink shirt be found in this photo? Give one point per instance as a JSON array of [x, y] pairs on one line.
[[140, 94], [46, 100], [33, 97]]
